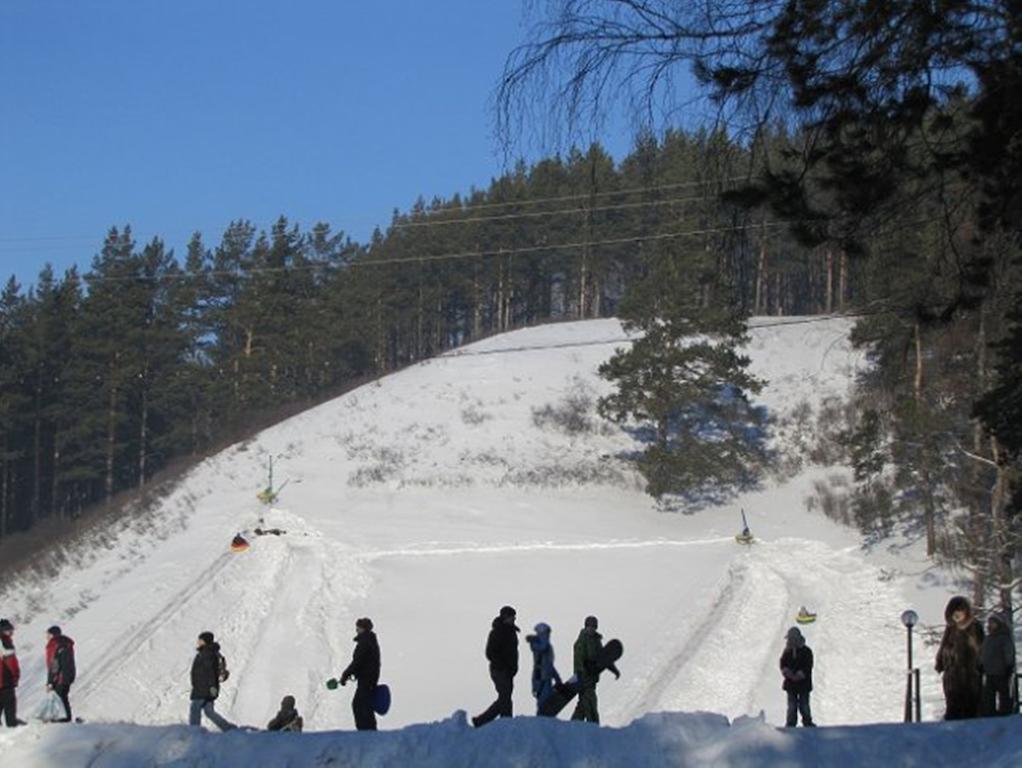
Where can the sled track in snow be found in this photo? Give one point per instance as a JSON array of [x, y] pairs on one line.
[[540, 547], [131, 644]]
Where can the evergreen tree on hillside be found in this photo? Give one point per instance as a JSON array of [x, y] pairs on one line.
[[685, 383]]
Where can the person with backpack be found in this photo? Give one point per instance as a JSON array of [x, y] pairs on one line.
[[998, 659], [209, 670], [60, 667], [544, 673], [287, 719], [10, 674], [365, 668], [502, 653], [797, 671], [587, 651]]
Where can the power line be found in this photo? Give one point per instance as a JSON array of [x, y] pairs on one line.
[[630, 339], [538, 214], [442, 256], [55, 239]]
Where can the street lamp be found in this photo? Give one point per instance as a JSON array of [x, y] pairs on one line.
[[910, 618]]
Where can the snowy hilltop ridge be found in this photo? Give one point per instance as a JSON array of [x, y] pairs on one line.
[[430, 498]]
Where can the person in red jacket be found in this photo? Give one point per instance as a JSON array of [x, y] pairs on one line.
[[10, 673], [60, 667]]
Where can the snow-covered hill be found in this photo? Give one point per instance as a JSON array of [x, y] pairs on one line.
[[430, 498]]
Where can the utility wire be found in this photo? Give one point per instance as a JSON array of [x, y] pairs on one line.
[[358, 263], [443, 212]]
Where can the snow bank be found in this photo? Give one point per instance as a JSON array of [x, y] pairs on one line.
[[675, 739]]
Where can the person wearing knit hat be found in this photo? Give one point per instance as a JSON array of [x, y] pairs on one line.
[[587, 651], [10, 674], [60, 667], [287, 719], [998, 658], [365, 669], [502, 653], [958, 660], [797, 671], [209, 670]]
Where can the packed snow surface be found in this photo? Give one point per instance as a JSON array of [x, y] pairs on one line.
[[432, 497]]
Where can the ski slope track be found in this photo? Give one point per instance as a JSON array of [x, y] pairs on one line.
[[427, 500]]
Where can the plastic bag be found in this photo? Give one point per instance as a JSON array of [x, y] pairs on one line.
[[50, 709]]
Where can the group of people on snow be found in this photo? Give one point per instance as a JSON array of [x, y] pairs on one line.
[[60, 673], [977, 667], [502, 654]]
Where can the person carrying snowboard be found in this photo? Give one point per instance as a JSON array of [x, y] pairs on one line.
[[60, 667], [588, 649], [10, 674], [998, 658], [209, 670], [958, 660], [797, 670], [287, 719], [544, 674], [502, 653], [365, 668]]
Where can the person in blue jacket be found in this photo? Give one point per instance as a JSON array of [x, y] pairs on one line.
[[544, 673]]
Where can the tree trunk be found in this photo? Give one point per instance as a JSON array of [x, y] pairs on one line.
[[3, 489], [37, 454], [842, 282], [761, 277], [111, 436], [143, 431], [829, 301]]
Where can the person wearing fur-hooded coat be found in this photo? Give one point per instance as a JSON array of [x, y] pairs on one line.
[[959, 660]]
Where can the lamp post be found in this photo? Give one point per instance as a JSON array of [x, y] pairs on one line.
[[910, 618]]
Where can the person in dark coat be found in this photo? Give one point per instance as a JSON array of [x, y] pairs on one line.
[[998, 658], [958, 659], [10, 674], [208, 671], [797, 670], [544, 673], [287, 719], [60, 667], [587, 651], [365, 668], [502, 653]]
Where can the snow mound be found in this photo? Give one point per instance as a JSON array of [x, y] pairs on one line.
[[655, 741]]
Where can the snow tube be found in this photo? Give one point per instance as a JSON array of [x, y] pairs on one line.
[[805, 617], [744, 539], [381, 699], [238, 544]]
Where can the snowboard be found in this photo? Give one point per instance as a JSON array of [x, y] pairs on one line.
[[564, 692], [381, 699]]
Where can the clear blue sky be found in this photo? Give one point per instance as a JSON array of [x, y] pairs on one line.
[[176, 115]]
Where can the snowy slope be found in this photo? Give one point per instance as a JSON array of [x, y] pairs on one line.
[[428, 499]]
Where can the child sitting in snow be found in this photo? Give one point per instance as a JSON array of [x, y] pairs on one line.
[[287, 718], [797, 669]]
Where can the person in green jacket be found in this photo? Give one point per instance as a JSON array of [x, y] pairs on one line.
[[588, 648]]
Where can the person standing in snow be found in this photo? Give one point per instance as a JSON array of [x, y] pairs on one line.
[[10, 674], [365, 668], [208, 671], [544, 673], [502, 653], [797, 670], [60, 667], [287, 719], [958, 659], [998, 659], [587, 651]]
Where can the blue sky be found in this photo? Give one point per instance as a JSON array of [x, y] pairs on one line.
[[176, 115]]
